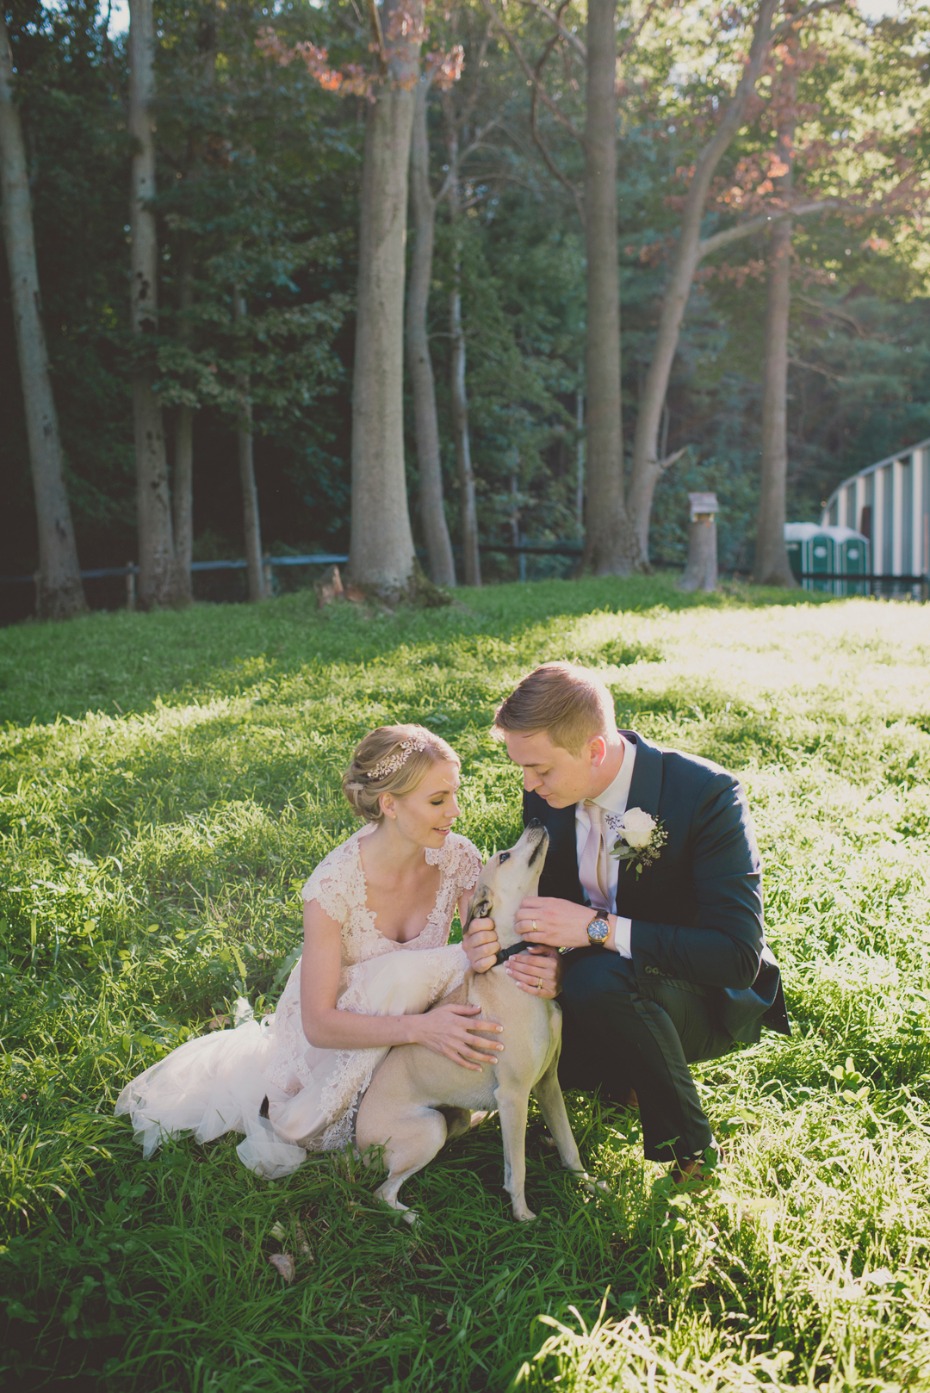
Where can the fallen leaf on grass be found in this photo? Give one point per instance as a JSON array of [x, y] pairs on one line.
[[284, 1265]]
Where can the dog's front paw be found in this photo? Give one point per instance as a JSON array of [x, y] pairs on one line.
[[522, 1212]]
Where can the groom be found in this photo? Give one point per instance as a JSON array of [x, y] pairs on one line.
[[668, 963]]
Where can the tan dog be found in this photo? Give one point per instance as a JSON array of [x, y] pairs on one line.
[[416, 1098]]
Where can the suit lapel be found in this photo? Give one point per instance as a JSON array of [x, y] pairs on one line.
[[645, 792], [646, 787], [560, 873]]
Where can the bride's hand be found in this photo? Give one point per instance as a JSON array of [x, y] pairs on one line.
[[455, 1032], [481, 944]]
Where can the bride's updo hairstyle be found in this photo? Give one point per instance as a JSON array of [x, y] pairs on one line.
[[391, 759]]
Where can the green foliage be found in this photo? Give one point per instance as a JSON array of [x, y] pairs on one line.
[[258, 182], [69, 79], [167, 783]]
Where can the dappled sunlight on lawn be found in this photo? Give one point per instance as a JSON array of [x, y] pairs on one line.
[[877, 653], [169, 782]]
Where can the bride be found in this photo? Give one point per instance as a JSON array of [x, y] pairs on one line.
[[292, 1082]]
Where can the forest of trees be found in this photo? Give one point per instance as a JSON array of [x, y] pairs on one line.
[[406, 280]]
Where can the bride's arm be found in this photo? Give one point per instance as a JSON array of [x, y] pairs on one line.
[[449, 1030]]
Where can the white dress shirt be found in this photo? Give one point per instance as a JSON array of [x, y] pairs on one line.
[[613, 800]]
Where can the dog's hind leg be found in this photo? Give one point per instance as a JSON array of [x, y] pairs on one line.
[[552, 1106], [458, 1121], [416, 1137], [512, 1107]]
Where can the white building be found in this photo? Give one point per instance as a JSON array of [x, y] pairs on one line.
[[890, 504]]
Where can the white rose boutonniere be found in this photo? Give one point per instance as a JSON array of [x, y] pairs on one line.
[[640, 838]]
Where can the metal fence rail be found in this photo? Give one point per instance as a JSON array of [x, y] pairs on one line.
[[132, 569], [870, 580], [870, 583]]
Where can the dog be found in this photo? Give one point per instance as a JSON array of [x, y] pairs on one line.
[[417, 1099]]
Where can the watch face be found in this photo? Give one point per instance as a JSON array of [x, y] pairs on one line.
[[598, 930]]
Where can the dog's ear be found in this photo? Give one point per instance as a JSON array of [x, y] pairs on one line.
[[482, 906]]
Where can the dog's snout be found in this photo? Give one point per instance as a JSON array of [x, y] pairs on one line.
[[533, 824], [542, 844]]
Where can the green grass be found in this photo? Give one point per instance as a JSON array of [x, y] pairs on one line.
[[167, 783]]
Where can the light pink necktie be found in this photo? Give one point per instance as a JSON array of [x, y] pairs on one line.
[[592, 871]]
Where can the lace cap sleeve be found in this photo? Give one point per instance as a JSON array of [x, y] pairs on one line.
[[333, 885], [466, 862]]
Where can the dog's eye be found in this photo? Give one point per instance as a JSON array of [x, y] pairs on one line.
[[504, 856]]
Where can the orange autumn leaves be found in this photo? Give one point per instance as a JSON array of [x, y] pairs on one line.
[[354, 79]]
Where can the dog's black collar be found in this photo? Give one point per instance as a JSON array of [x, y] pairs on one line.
[[510, 952]]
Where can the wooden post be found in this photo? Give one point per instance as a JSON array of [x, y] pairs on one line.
[[130, 586], [701, 570]]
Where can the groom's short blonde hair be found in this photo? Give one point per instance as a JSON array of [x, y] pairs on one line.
[[570, 703]]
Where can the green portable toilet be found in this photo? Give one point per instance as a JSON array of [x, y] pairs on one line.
[[811, 549], [795, 534], [823, 559], [837, 551], [852, 554]]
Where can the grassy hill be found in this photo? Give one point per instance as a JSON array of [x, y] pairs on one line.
[[168, 781]]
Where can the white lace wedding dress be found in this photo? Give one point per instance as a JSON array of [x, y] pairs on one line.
[[217, 1083]]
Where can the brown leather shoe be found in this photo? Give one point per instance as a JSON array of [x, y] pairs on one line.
[[697, 1170], [689, 1172], [624, 1100]]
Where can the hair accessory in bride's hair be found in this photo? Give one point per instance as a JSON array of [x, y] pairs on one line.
[[392, 762]]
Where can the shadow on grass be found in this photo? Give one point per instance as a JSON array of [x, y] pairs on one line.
[[119, 663]]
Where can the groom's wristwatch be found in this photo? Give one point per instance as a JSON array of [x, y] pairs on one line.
[[598, 930]]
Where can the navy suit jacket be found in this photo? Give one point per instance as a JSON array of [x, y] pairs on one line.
[[697, 910]]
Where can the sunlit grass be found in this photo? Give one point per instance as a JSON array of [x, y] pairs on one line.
[[166, 784]]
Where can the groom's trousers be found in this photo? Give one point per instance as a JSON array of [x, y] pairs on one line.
[[618, 1034]]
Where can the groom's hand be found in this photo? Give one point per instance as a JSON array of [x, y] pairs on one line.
[[553, 923], [481, 944], [538, 971]]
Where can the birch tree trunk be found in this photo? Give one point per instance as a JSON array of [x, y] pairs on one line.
[[182, 484], [381, 555], [157, 574], [471, 557], [610, 544], [458, 362], [441, 565], [647, 466], [771, 561], [59, 590], [245, 450], [182, 494]]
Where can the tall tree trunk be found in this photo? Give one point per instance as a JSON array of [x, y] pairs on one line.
[[183, 502], [59, 589], [471, 557], [647, 466], [182, 493], [771, 562], [157, 574], [245, 449], [381, 555], [458, 362], [579, 460], [441, 565], [182, 484], [610, 544]]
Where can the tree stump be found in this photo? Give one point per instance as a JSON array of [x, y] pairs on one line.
[[701, 570]]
